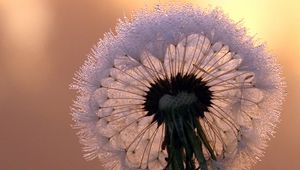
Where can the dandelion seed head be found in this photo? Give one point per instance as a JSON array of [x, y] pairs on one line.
[[177, 62]]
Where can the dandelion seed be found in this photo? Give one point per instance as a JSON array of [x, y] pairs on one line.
[[177, 88]]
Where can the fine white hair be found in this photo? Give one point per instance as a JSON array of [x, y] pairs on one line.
[[153, 33]]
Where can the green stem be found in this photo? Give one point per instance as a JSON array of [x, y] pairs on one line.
[[184, 142], [184, 135]]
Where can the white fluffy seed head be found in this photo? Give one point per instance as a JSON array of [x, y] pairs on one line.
[[245, 80]]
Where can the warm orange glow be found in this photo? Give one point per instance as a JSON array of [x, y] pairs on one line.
[[43, 42], [26, 26], [26, 20], [270, 21]]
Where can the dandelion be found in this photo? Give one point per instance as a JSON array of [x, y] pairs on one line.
[[177, 88]]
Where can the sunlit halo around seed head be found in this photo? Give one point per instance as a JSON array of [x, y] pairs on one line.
[[177, 88]]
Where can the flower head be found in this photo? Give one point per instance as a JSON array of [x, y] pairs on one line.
[[177, 88]]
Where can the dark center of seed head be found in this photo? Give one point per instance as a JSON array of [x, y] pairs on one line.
[[183, 99], [183, 92]]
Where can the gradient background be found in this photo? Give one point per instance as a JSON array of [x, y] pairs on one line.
[[42, 43]]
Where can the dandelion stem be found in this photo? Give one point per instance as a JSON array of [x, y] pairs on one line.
[[184, 135]]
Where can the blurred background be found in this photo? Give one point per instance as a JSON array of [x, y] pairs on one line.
[[43, 42]]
